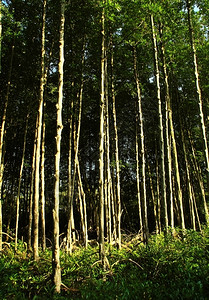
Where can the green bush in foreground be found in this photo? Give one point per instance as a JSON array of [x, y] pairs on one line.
[[167, 268]]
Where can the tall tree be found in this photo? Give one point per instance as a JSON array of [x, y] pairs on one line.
[[19, 184], [118, 189], [70, 184], [56, 249], [38, 139], [173, 139], [2, 137], [198, 89], [162, 150], [43, 226], [101, 144], [141, 126]]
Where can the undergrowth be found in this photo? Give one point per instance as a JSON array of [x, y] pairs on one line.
[[166, 268]]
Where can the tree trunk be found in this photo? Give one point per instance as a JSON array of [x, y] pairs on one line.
[[32, 191], [70, 200], [197, 171], [169, 156], [101, 147], [198, 90], [43, 230], [116, 152], [170, 118], [191, 203], [196, 211], [145, 230], [107, 156], [19, 184], [83, 212], [158, 192], [153, 200], [2, 137], [157, 75], [38, 140], [56, 249]]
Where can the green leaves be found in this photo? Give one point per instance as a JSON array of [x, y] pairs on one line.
[[167, 268]]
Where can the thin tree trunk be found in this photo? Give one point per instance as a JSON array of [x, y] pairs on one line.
[[76, 135], [140, 124], [56, 249], [83, 212], [176, 202], [38, 140], [107, 148], [168, 144], [2, 137], [200, 180], [179, 192], [19, 184], [113, 208], [198, 90], [196, 211], [191, 204], [32, 191], [153, 199], [82, 198], [158, 192], [43, 230], [170, 118], [157, 75], [101, 146], [116, 150], [70, 200]]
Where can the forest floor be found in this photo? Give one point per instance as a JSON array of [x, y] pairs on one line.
[[167, 268]]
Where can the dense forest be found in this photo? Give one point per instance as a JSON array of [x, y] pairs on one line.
[[104, 123]]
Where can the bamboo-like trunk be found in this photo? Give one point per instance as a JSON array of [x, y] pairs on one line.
[[197, 171], [2, 137], [179, 192], [38, 140], [70, 200], [196, 210], [113, 209], [153, 199], [140, 124], [83, 211], [107, 185], [56, 249], [157, 75], [101, 146], [30, 220], [19, 183], [116, 150], [198, 89], [191, 195], [158, 192], [43, 229], [71, 182], [176, 202], [170, 118], [169, 157]]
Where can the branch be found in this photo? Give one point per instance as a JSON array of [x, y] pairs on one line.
[[8, 235]]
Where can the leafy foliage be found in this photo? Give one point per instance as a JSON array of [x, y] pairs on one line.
[[172, 266]]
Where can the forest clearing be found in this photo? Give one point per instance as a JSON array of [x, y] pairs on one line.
[[104, 160]]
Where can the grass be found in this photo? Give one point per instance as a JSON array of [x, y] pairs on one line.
[[167, 268]]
